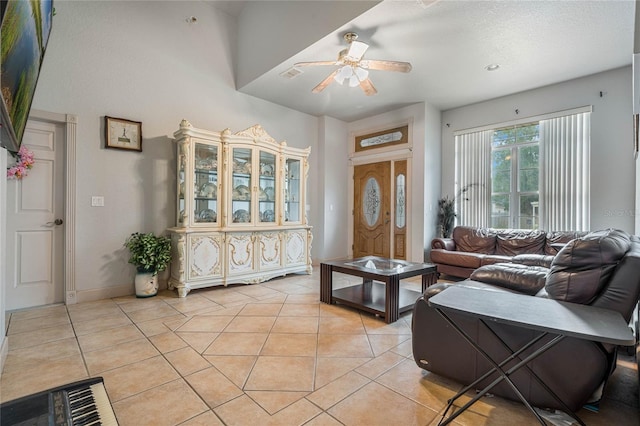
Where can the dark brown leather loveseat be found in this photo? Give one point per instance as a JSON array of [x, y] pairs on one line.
[[601, 269], [470, 247]]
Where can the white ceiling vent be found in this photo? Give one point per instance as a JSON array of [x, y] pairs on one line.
[[291, 73]]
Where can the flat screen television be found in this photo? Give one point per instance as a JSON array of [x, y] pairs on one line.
[[25, 30]]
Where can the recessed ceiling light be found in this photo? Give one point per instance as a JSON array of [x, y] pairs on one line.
[[492, 67]]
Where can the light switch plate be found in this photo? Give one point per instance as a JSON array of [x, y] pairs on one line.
[[97, 201]]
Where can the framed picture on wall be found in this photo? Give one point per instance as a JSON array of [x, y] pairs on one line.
[[123, 134]]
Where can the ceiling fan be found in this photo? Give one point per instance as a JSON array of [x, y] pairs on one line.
[[353, 69]]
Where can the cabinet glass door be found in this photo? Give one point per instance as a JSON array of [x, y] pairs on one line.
[[268, 188], [241, 181], [181, 188], [205, 184], [292, 191]]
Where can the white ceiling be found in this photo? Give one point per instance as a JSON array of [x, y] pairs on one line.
[[449, 43]]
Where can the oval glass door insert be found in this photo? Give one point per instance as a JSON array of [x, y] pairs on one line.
[[371, 201]]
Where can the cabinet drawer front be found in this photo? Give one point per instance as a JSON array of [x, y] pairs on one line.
[[296, 247], [270, 250], [205, 256], [240, 252]]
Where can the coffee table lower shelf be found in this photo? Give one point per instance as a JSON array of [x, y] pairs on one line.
[[370, 297]]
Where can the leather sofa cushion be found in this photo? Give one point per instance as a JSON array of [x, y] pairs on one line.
[[474, 240], [623, 290], [491, 259], [513, 242], [556, 238], [521, 278], [583, 267], [533, 260], [457, 258]]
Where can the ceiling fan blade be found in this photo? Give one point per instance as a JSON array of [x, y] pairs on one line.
[[324, 83], [367, 86], [356, 50], [314, 63], [375, 64]]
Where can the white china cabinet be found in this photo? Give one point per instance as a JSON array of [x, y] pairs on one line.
[[240, 210]]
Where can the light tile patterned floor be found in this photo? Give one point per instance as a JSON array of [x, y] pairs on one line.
[[266, 354]]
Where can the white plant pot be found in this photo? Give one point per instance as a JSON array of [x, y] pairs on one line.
[[146, 284]]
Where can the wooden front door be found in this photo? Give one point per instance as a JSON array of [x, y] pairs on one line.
[[372, 210]]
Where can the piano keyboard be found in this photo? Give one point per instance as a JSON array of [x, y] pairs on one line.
[[83, 403]]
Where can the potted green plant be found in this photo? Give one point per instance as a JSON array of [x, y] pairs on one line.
[[446, 215], [151, 254]]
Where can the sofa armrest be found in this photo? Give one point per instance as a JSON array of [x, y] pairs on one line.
[[432, 290], [443, 243], [533, 260]]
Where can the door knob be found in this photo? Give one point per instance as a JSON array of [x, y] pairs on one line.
[[55, 223]]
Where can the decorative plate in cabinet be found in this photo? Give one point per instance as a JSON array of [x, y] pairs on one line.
[[241, 216], [207, 215], [268, 216], [242, 193], [208, 190]]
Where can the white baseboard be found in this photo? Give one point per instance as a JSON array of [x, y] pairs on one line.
[[104, 293], [4, 350], [94, 294]]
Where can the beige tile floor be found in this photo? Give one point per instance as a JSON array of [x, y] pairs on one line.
[[266, 354]]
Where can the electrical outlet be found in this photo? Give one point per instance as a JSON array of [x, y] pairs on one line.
[[97, 201]]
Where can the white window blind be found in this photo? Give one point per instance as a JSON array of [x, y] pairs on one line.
[[473, 176], [564, 185], [565, 172]]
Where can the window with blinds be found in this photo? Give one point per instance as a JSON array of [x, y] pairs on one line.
[[528, 174], [515, 177]]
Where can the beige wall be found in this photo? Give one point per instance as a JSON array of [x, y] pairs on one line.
[[612, 163], [142, 61]]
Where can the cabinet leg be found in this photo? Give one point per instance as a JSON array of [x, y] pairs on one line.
[[182, 291], [182, 288], [171, 284]]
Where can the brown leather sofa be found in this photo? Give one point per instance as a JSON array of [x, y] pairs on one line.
[[470, 247], [601, 269]]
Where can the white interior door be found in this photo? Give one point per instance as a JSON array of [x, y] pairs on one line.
[[35, 228]]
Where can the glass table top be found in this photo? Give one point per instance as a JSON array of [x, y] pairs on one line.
[[384, 265]]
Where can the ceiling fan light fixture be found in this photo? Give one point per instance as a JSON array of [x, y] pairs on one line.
[[345, 73], [352, 67], [361, 73]]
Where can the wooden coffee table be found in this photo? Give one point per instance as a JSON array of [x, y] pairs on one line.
[[380, 291]]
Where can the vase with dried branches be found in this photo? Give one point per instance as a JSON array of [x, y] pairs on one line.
[[447, 210]]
